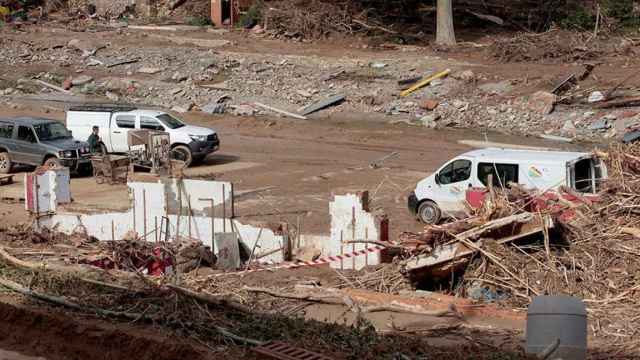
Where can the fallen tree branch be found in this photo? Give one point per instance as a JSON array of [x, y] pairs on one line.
[[210, 299], [62, 302], [336, 299], [73, 270]]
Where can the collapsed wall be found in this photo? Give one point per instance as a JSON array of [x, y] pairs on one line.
[[164, 209]]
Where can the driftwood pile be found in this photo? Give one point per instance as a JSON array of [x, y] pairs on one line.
[[560, 45], [592, 252]]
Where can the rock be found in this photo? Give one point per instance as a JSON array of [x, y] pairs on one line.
[[542, 102], [610, 117], [214, 108], [94, 62], [175, 91], [436, 82], [466, 75], [179, 77], [377, 65], [257, 29], [149, 70], [307, 253], [568, 129], [460, 105], [595, 97], [304, 93], [112, 96], [81, 80], [589, 114], [430, 121], [67, 84], [183, 108], [73, 43], [601, 124], [243, 110], [429, 104]]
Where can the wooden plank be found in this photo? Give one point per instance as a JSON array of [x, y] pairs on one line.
[[456, 250]]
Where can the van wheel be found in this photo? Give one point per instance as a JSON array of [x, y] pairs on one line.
[[182, 153], [52, 163], [429, 213], [5, 163]]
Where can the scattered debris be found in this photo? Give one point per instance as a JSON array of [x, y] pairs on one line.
[[296, 116], [334, 100]]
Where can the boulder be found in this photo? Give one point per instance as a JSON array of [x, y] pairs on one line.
[[542, 102], [429, 104]]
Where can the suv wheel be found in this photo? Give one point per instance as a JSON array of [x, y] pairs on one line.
[[429, 213], [5, 163], [52, 163], [182, 153]]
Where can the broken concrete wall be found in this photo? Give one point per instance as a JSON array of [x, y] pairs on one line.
[[352, 221], [44, 190], [108, 226], [182, 196]]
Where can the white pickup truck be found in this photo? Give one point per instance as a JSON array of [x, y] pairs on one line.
[[190, 143]]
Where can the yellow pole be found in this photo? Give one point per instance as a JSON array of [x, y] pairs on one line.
[[425, 82]]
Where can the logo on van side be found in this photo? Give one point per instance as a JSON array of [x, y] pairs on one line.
[[535, 172]]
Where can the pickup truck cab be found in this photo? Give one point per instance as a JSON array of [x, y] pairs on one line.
[[443, 194], [37, 141], [189, 143]]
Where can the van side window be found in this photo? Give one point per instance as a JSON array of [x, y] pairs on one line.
[[458, 170], [6, 131], [506, 173], [150, 123], [126, 121], [26, 134]]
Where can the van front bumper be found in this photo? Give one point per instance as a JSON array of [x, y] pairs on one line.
[[412, 203]]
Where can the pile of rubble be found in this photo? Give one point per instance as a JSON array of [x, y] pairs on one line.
[[523, 243]]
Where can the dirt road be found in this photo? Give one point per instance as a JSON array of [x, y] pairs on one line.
[[298, 166]]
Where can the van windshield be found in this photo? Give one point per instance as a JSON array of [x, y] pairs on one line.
[[51, 131], [169, 121]]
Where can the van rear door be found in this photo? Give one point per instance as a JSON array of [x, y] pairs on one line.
[[586, 173]]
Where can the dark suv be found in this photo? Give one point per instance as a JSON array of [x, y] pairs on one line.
[[36, 141]]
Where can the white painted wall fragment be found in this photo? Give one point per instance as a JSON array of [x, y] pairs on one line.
[[44, 190]]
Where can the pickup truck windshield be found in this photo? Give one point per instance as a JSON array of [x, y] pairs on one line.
[[169, 121], [51, 131]]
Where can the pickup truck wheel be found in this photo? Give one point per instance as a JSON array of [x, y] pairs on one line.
[[182, 153], [429, 213], [52, 163], [5, 163]]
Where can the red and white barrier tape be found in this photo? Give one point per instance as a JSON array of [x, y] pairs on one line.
[[320, 261]]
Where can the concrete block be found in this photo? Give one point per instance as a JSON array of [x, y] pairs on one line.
[[228, 251]]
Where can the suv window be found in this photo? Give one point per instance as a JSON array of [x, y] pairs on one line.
[[126, 121], [506, 173], [456, 171], [26, 134], [6, 130], [150, 123]]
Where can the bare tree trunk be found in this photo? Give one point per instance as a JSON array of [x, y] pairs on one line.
[[445, 34]]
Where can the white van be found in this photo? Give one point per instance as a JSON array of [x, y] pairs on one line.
[[443, 194], [189, 142]]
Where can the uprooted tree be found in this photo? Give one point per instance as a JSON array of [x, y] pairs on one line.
[[445, 34]]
